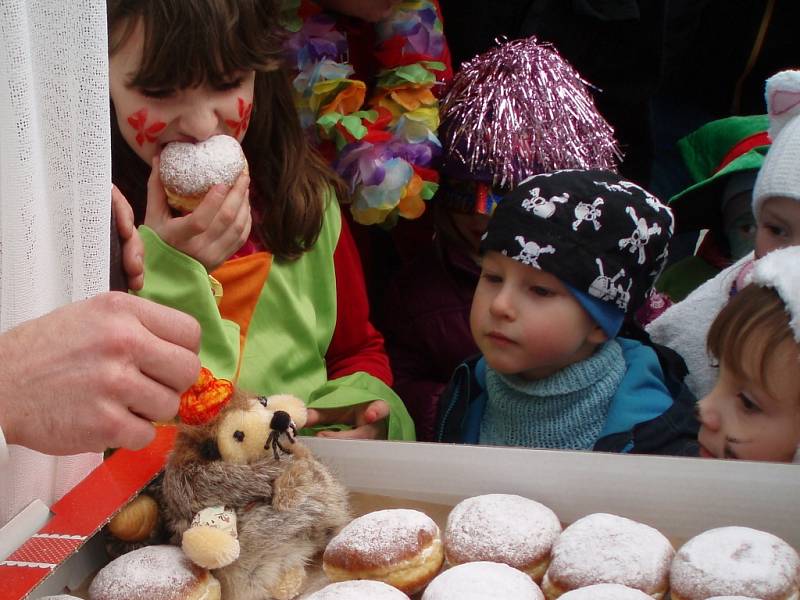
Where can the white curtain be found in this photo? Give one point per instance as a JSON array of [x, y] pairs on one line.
[[55, 182]]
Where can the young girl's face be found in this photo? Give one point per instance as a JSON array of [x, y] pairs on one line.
[[149, 119], [746, 419], [526, 322], [778, 225]]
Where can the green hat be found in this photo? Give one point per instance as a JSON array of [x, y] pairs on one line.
[[712, 154]]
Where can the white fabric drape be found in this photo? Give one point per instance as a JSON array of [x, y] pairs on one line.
[[55, 182]]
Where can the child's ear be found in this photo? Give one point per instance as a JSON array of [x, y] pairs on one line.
[[597, 335]]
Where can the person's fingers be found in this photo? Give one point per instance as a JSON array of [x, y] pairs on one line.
[[207, 212], [133, 260], [329, 416], [241, 187], [365, 432], [123, 213], [114, 426], [149, 397], [167, 323], [171, 365], [167, 351], [375, 411], [136, 282], [157, 207], [313, 417], [133, 431]]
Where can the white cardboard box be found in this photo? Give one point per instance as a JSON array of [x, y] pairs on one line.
[[679, 496]]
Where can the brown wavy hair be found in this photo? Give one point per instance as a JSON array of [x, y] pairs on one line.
[[753, 324], [188, 43]]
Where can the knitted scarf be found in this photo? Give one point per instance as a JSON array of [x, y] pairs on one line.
[[564, 411]]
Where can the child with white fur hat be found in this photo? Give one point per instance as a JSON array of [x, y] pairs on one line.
[[753, 411], [776, 206]]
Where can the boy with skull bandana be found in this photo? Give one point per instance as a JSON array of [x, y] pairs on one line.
[[567, 255]]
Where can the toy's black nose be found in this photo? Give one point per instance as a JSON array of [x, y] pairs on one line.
[[281, 421]]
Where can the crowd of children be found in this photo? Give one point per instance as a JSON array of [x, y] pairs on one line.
[[519, 324]]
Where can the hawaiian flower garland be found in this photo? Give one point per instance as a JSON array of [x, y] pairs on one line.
[[383, 146]]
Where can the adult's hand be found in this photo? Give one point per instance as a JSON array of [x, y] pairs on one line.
[[94, 374], [368, 421], [210, 234]]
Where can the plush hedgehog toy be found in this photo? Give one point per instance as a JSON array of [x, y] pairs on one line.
[[242, 496]]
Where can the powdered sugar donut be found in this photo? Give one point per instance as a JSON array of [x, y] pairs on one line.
[[482, 581], [400, 547], [732, 598], [358, 590], [603, 548], [161, 572], [60, 597], [502, 528], [188, 170], [730, 561], [605, 591]]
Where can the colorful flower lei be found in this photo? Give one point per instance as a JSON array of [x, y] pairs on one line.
[[383, 146]]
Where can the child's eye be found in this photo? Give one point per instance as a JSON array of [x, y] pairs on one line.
[[747, 404], [542, 291], [775, 230], [157, 94], [491, 277], [230, 85]]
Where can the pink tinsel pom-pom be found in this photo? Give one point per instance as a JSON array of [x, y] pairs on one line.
[[521, 109]]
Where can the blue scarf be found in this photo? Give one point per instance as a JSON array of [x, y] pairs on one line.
[[564, 411]]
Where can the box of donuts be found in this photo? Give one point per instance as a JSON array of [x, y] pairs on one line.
[[342, 519]]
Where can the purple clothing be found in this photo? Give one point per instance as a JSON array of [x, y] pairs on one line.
[[426, 326]]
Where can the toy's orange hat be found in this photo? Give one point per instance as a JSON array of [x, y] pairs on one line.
[[204, 399]]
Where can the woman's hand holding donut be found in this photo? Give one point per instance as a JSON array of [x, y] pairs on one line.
[[368, 421], [213, 232]]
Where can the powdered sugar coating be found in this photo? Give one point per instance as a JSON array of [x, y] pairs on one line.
[[162, 572], [60, 597], [603, 548], [605, 591], [192, 169], [503, 528], [735, 561], [381, 538], [482, 581], [361, 589], [732, 598]]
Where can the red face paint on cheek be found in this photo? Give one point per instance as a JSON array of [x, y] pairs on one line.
[[145, 132], [240, 126]]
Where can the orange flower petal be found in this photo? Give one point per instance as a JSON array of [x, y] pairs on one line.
[[412, 97], [347, 101], [411, 205]]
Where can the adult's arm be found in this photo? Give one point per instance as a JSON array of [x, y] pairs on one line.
[[94, 374]]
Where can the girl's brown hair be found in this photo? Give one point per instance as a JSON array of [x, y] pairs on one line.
[[754, 323], [195, 42]]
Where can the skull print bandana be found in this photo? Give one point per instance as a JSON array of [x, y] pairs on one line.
[[597, 232]]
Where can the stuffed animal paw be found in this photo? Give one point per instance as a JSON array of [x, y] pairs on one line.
[[290, 584], [136, 521], [212, 541]]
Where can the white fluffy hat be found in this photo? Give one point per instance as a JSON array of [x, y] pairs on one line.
[[780, 174], [780, 270]]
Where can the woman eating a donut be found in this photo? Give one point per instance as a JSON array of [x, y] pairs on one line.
[[260, 254]]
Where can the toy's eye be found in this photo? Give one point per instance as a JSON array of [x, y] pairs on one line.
[[263, 401], [238, 436]]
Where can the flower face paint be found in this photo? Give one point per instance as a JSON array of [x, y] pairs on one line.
[[145, 132], [240, 126]]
